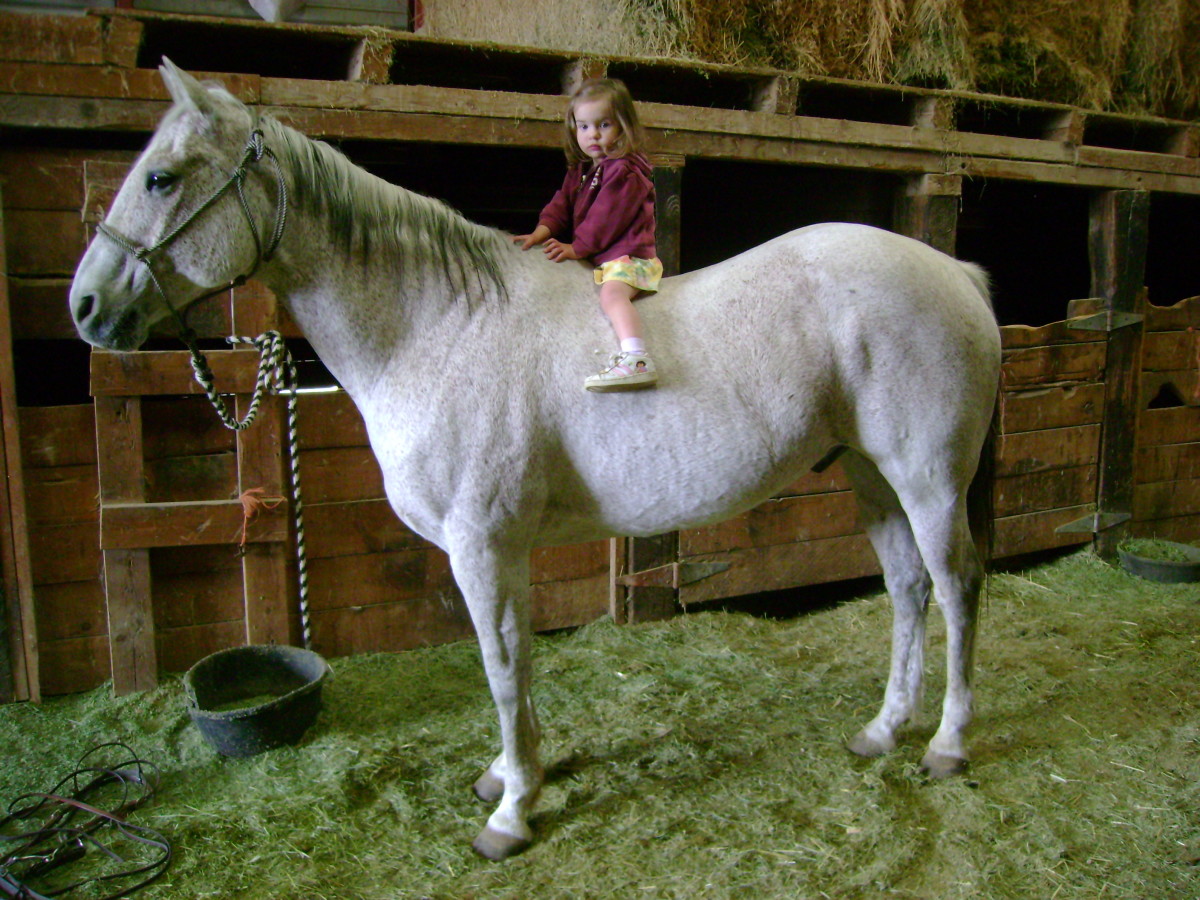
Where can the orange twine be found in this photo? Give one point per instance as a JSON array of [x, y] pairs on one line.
[[252, 502]]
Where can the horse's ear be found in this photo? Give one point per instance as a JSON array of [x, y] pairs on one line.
[[184, 89]]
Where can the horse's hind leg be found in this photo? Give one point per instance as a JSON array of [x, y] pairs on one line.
[[908, 585], [938, 514]]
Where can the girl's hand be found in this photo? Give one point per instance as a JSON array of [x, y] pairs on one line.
[[538, 235], [557, 251]]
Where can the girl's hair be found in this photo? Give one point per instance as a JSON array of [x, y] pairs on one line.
[[620, 103]]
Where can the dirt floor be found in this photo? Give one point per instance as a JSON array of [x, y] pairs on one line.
[[702, 758]]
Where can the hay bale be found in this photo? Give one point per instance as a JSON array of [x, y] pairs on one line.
[[1127, 55]]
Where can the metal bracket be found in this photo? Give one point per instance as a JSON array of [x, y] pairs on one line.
[[1094, 523], [1105, 321], [673, 575]]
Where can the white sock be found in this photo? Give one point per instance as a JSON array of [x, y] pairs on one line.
[[633, 345]]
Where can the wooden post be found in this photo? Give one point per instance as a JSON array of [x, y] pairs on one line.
[[121, 463], [1117, 241], [927, 209], [19, 677], [648, 604], [260, 454]]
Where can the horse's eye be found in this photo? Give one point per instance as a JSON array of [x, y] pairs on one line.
[[159, 181]]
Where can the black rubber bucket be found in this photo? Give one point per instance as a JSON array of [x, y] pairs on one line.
[[1177, 571], [249, 699]]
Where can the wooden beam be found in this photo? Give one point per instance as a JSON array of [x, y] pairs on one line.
[[19, 670], [126, 571], [1117, 241]]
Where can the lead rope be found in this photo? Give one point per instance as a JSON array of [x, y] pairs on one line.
[[276, 372]]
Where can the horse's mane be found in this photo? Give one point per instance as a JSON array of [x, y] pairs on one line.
[[365, 212]]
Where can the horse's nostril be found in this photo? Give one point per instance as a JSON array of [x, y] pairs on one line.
[[86, 304]]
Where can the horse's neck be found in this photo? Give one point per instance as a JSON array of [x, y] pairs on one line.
[[364, 314]]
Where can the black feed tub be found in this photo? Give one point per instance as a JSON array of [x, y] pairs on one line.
[[249, 699]]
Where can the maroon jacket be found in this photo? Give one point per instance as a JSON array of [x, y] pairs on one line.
[[606, 209]]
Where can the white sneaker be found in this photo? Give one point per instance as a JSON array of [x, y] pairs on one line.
[[625, 372]]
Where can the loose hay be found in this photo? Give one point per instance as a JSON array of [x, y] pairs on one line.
[[702, 757], [1138, 56]]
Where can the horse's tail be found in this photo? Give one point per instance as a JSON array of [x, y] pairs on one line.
[[980, 280]]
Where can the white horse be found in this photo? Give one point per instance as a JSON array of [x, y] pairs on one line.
[[466, 358]]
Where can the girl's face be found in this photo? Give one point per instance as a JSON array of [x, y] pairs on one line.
[[596, 128]]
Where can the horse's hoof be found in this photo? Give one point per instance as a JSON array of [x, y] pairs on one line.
[[941, 765], [496, 845], [867, 747], [489, 788]]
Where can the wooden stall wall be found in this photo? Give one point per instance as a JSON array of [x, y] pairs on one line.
[[1167, 482], [77, 97]]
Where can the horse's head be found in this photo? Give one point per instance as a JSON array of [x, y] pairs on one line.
[[177, 229]]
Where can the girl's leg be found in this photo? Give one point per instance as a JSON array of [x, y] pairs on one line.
[[632, 368], [616, 299]]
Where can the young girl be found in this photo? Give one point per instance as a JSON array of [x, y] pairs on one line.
[[604, 212]]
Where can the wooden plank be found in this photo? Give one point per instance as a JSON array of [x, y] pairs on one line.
[[71, 666], [1173, 462], [62, 494], [63, 553], [44, 242], [340, 474], [109, 83], [389, 627], [209, 476], [1178, 425], [1178, 317], [1057, 406], [58, 435], [53, 39], [786, 521], [73, 609], [40, 310], [1029, 366], [126, 526], [356, 527], [1013, 337], [149, 372], [197, 598], [331, 420], [574, 562], [19, 678], [1117, 242], [783, 566], [1181, 529], [126, 571], [829, 144], [381, 578], [1051, 449], [181, 648], [1034, 532], [1164, 351], [1052, 489], [1166, 499], [51, 177], [178, 427], [566, 604]]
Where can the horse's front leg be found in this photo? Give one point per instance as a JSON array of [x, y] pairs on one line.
[[496, 588]]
